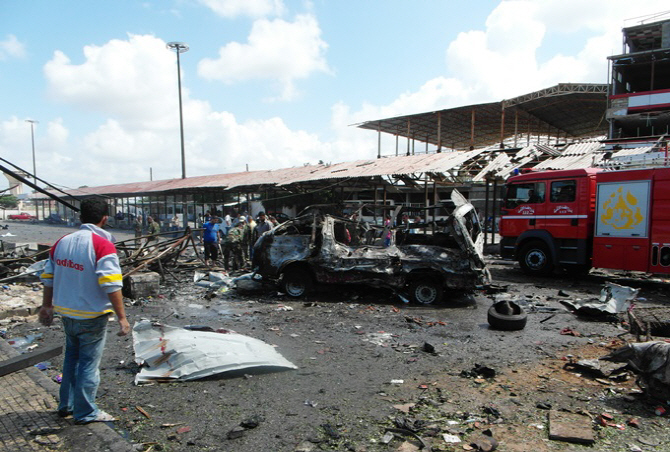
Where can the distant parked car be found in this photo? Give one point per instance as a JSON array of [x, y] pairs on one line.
[[22, 216]]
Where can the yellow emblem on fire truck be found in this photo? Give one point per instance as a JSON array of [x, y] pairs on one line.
[[620, 210]]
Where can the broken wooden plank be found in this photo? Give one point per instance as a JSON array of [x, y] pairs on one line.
[[16, 363], [159, 256]]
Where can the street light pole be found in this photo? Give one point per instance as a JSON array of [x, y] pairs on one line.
[[32, 138], [180, 47]]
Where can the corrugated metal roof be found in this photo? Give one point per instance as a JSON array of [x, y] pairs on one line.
[[576, 109], [495, 165], [401, 165], [633, 151], [578, 155]]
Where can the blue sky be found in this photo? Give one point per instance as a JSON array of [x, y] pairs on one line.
[[270, 83]]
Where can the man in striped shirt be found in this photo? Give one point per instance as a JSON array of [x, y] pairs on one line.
[[82, 283]]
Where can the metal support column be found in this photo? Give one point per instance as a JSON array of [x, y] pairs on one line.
[[486, 213]]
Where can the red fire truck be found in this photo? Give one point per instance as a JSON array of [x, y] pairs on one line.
[[583, 218]]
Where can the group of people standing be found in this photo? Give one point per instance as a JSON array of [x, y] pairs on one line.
[[231, 238], [234, 238]]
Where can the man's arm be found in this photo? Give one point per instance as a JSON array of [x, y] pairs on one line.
[[117, 304], [46, 314]]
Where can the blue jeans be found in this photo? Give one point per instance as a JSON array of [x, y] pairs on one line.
[[84, 343]]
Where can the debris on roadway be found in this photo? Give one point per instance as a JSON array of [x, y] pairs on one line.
[[171, 353], [614, 299], [652, 361]]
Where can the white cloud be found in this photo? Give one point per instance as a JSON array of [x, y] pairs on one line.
[[252, 8], [133, 80], [502, 60], [50, 146], [11, 47], [132, 85], [275, 50], [600, 16]]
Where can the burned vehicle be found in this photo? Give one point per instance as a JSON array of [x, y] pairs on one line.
[[319, 249]]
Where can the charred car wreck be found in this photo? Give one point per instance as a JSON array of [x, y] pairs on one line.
[[320, 248]]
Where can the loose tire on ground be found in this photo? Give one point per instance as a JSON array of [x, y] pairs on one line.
[[501, 320], [425, 291], [535, 259], [296, 282]]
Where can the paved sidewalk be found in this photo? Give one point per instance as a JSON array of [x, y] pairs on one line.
[[28, 419]]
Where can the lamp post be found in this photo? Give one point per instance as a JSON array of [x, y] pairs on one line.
[[32, 138], [180, 47]]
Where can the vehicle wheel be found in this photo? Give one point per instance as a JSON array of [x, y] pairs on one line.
[[296, 282], [425, 291], [535, 258], [507, 316]]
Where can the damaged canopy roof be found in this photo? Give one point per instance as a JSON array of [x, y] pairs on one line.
[[577, 110]]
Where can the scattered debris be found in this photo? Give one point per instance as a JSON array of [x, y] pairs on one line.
[[599, 368], [567, 331], [652, 361], [252, 422], [485, 442], [451, 439], [614, 299], [428, 348], [479, 371], [142, 411], [158, 253], [28, 359], [237, 432], [570, 427], [331, 431], [141, 285], [405, 408], [653, 321], [408, 432], [249, 283], [171, 353]]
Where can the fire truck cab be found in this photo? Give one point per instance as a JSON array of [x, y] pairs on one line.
[[583, 218]]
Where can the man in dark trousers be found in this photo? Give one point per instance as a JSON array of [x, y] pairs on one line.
[[82, 283], [211, 239]]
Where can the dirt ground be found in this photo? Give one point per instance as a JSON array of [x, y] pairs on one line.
[[365, 366]]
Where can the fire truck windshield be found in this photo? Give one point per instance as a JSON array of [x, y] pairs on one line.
[[526, 193]]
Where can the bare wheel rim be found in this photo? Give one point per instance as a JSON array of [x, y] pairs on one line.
[[425, 293], [536, 259], [295, 288]]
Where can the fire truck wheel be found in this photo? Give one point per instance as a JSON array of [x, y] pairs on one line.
[[425, 291], [535, 258], [296, 282], [507, 316]]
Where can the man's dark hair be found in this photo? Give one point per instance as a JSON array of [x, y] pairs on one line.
[[93, 209]]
